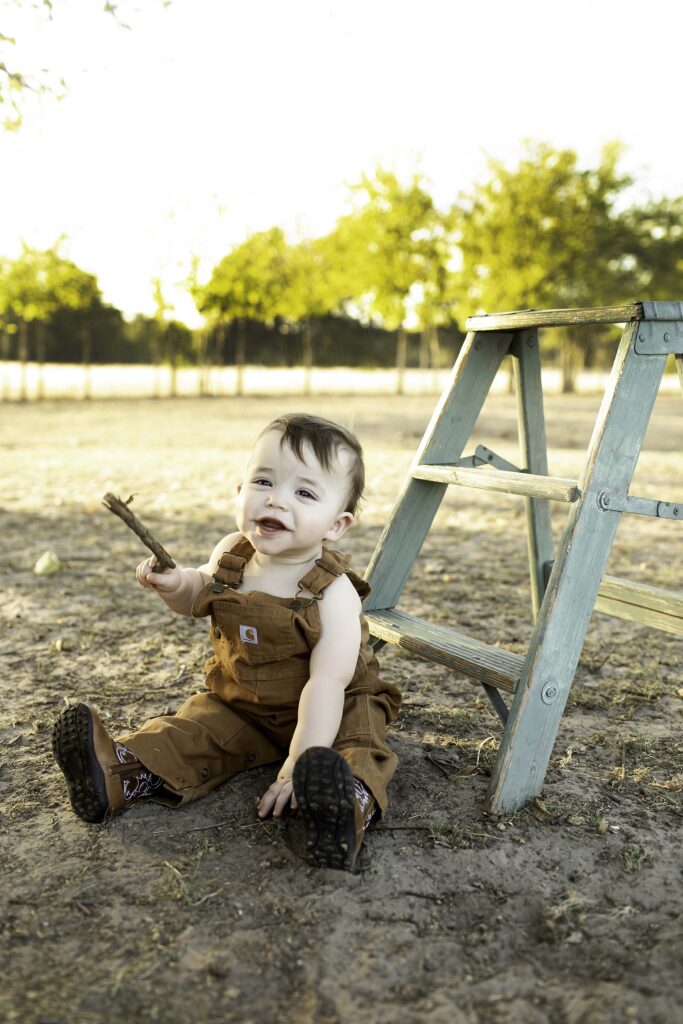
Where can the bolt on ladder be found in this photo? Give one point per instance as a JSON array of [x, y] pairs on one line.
[[567, 586]]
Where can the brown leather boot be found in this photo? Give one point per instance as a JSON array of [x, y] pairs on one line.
[[325, 791], [94, 775]]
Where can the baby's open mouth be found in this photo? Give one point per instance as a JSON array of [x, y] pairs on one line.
[[270, 525]]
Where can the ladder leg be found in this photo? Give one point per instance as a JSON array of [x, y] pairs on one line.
[[447, 434], [573, 586], [534, 456], [679, 367]]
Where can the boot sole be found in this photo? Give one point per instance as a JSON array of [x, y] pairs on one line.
[[324, 791], [74, 752]]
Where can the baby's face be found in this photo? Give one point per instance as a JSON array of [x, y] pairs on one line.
[[288, 506]]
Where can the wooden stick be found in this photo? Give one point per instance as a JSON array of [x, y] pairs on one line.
[[122, 510]]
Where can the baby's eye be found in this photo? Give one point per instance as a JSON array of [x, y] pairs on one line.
[[303, 493], [262, 481]]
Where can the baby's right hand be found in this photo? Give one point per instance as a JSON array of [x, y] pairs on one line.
[[166, 581]]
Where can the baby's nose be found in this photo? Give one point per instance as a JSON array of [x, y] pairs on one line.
[[275, 499]]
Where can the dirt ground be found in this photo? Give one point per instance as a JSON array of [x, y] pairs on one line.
[[568, 911]]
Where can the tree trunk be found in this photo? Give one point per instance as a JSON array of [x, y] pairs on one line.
[[401, 350], [425, 347], [435, 354], [570, 361], [23, 356], [202, 347], [307, 355], [5, 359], [240, 354], [434, 348], [40, 358], [172, 341], [86, 358]]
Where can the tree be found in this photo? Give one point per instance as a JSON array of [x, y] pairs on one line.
[[249, 283], [33, 288], [397, 236], [16, 83], [316, 286], [658, 227], [548, 234]]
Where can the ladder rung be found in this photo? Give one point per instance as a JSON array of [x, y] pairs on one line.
[[641, 602], [528, 484], [492, 665], [555, 317]]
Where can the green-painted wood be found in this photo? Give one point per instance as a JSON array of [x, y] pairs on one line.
[[638, 613], [550, 488], [534, 456], [447, 434], [641, 602], [555, 318], [573, 587], [483, 662]]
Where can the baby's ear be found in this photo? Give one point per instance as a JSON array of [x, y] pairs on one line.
[[342, 523]]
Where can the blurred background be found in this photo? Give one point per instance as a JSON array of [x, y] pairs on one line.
[[205, 197]]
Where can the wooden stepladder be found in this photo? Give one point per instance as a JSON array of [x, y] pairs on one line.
[[565, 586]]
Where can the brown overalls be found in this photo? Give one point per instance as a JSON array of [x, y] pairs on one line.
[[262, 646]]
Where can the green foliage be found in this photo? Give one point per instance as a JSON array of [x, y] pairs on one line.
[[546, 234], [316, 280], [398, 250], [38, 283], [658, 227], [160, 341], [16, 84], [251, 282]]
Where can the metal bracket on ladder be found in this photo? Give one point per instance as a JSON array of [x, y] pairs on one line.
[[618, 501], [484, 456]]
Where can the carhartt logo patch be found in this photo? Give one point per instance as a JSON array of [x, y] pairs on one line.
[[249, 634]]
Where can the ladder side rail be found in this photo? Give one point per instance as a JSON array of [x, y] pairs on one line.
[[534, 456], [569, 600], [447, 434], [679, 367]]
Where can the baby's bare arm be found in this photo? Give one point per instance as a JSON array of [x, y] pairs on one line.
[[176, 587], [321, 705], [179, 587]]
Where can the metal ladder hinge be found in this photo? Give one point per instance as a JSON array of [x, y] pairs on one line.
[[617, 501], [484, 456]]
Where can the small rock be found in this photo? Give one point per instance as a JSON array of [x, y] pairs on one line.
[[47, 564]]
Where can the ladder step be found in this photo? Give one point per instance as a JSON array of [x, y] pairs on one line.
[[641, 602], [527, 484], [520, 319], [487, 664]]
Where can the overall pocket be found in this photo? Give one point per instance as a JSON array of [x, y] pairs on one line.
[[255, 635]]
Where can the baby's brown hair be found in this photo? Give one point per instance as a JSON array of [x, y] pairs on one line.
[[325, 438]]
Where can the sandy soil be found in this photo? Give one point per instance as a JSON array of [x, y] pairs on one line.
[[568, 911]]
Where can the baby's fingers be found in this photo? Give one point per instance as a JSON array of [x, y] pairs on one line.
[[144, 571], [275, 799]]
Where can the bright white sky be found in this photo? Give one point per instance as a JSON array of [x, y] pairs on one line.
[[215, 118]]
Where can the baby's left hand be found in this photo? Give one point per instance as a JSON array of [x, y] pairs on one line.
[[279, 795]]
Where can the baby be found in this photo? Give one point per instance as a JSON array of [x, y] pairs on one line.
[[292, 675]]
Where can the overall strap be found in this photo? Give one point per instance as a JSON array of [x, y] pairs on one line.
[[231, 566], [327, 568]]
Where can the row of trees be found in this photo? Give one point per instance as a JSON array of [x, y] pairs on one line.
[[546, 233]]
